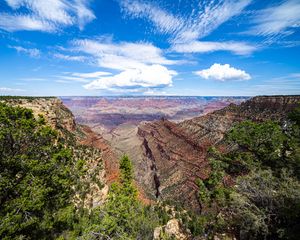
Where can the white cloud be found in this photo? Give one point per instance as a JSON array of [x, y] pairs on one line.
[[154, 92], [140, 65], [6, 90], [69, 77], [239, 48], [209, 17], [203, 19], [53, 10], [122, 55], [17, 22], [65, 79], [91, 74], [186, 30], [223, 73], [69, 57], [33, 79], [153, 76], [163, 21], [32, 52], [47, 16], [283, 18], [84, 14]]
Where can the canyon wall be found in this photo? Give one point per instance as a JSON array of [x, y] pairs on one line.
[[175, 155], [85, 144]]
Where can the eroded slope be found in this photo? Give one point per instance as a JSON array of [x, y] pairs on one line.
[[175, 154]]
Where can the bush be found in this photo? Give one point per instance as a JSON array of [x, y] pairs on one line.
[[36, 177]]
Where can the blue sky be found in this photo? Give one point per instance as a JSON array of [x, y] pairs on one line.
[[144, 47]]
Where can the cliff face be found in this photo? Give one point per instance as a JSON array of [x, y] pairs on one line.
[[85, 144], [212, 127], [55, 113], [175, 154], [176, 160], [168, 157]]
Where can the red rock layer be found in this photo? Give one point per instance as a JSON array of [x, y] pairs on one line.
[[177, 152]]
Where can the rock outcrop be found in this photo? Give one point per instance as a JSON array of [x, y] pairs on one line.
[[168, 157], [85, 144], [211, 127], [55, 113], [175, 154], [172, 230], [175, 159]]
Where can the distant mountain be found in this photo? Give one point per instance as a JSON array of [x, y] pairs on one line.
[[106, 113]]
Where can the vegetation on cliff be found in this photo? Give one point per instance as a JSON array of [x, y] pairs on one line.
[[42, 177], [253, 191], [37, 172], [122, 216]]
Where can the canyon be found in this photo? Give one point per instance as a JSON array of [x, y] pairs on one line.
[[167, 138], [168, 148], [105, 114]]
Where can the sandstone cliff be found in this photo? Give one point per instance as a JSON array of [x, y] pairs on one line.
[[174, 155], [85, 144]]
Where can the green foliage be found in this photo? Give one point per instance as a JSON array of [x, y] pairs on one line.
[[122, 216], [265, 145], [40, 174], [265, 205], [196, 224], [263, 140], [36, 177], [22, 97], [264, 201], [211, 190], [295, 115]]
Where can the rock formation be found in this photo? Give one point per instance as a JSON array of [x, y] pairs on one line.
[[168, 157], [86, 145], [175, 154]]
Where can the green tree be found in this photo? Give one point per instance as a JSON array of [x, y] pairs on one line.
[[36, 177], [265, 202], [263, 140], [265, 206], [122, 216], [264, 164]]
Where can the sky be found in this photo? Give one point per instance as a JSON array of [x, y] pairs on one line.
[[149, 47]]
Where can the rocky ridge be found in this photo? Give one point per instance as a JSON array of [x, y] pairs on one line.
[[175, 154], [85, 144]]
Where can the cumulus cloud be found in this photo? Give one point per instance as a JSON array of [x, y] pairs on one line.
[[223, 73], [139, 66], [239, 48], [283, 18], [32, 52], [122, 55], [153, 76], [47, 16]]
